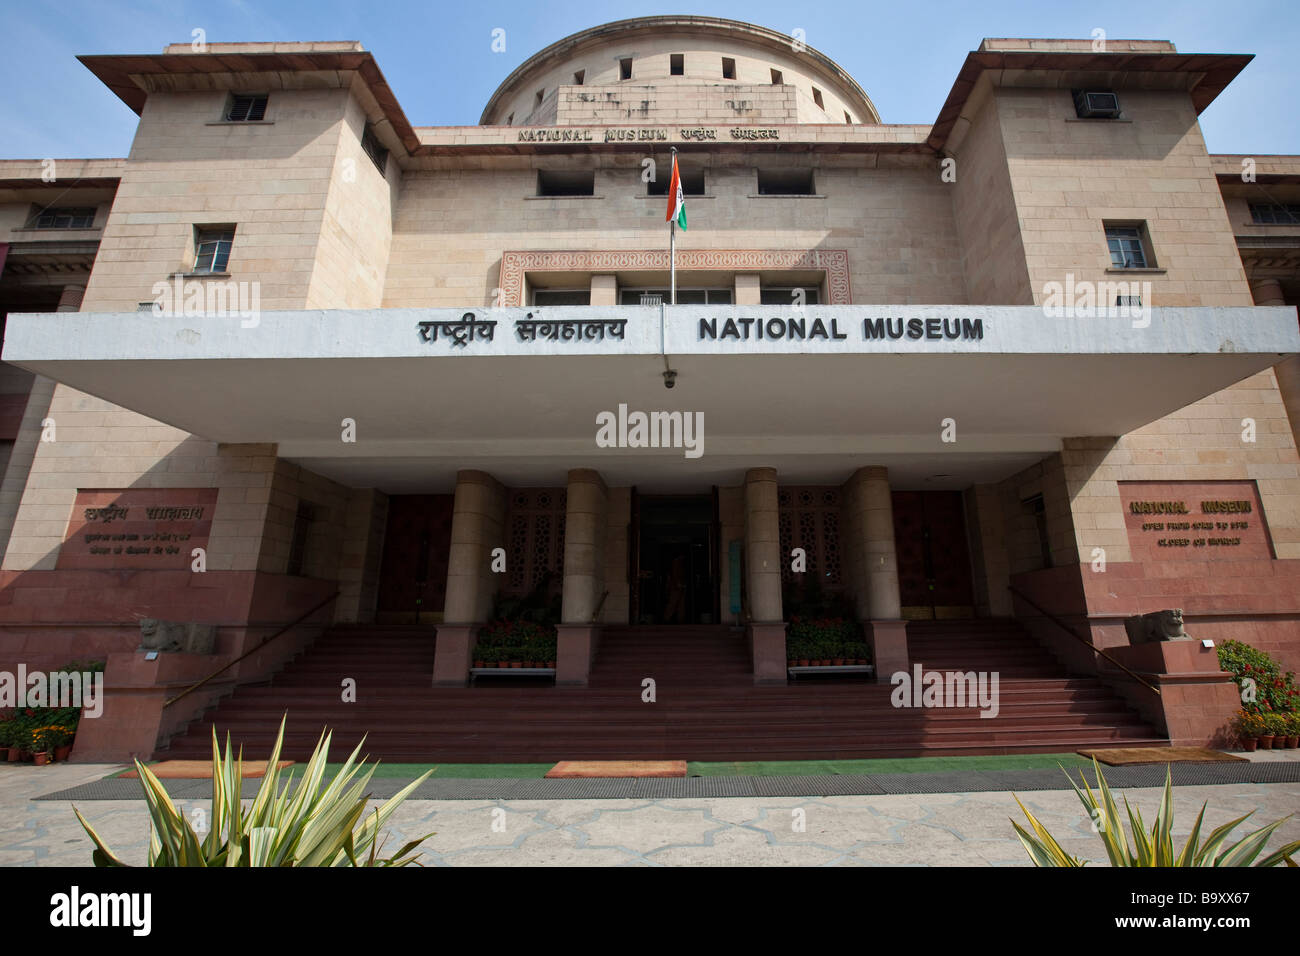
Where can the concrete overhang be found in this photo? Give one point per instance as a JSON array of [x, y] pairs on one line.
[[1013, 380], [1125, 63]]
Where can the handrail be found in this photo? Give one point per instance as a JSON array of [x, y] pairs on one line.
[[599, 604], [288, 627], [1091, 646]]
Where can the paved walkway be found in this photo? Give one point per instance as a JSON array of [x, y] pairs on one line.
[[946, 829]]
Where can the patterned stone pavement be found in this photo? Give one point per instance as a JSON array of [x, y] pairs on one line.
[[959, 829]]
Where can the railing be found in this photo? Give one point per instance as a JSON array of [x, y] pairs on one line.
[[1082, 640], [221, 670]]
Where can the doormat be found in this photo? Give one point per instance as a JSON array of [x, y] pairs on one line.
[[202, 769], [1119, 756], [569, 769]]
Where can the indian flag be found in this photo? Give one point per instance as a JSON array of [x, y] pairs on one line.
[[676, 199]]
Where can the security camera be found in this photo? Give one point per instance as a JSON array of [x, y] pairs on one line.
[[670, 377]]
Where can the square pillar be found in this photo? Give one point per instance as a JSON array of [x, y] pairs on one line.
[[604, 290], [748, 290]]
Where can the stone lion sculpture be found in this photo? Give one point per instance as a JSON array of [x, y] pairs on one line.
[[1166, 625], [171, 637]]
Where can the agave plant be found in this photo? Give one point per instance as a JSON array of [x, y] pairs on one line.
[[302, 825], [1156, 847]]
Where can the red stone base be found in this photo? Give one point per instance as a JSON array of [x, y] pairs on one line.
[[451, 655], [767, 652], [575, 650], [889, 653], [1196, 698]]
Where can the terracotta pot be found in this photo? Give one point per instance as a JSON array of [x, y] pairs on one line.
[[838, 661], [41, 759], [479, 664], [551, 664], [1266, 742], [1249, 744], [1293, 742], [803, 662], [516, 664], [61, 753], [15, 754]]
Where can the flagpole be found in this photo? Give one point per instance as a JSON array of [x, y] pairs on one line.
[[672, 247]]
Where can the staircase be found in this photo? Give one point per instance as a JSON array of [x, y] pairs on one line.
[[706, 706]]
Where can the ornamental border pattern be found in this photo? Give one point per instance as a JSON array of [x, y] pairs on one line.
[[834, 262]]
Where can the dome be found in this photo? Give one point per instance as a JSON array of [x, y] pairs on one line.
[[678, 69]]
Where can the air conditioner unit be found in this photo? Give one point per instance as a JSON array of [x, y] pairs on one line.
[[1096, 104]]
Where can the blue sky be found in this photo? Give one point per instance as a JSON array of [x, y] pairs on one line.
[[438, 59]]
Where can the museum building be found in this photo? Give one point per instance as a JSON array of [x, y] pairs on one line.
[[337, 388]]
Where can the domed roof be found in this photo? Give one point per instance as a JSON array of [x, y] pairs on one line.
[[721, 34]]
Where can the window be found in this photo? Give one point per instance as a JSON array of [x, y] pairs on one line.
[[212, 247], [817, 98], [684, 296], [1275, 214], [676, 64], [538, 97], [561, 297], [370, 143], [581, 182], [578, 77], [692, 182], [777, 295], [65, 217], [510, 120], [625, 68], [785, 182], [1128, 246], [728, 68], [246, 108], [1096, 104], [776, 78], [848, 118]]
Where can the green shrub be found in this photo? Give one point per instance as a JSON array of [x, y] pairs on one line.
[[287, 825], [1275, 692], [1154, 848]]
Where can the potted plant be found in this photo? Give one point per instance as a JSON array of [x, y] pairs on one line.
[[1293, 730], [63, 744], [1248, 727], [1278, 727], [1265, 733], [42, 741]]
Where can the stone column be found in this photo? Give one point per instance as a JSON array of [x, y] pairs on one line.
[[763, 576], [604, 290], [748, 289], [873, 520], [478, 516], [70, 299], [1269, 292], [585, 519]]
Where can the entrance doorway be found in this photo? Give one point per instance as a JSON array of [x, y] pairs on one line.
[[674, 546], [413, 574], [934, 571]]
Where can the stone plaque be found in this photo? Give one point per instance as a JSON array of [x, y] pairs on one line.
[[1194, 521], [154, 528]]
